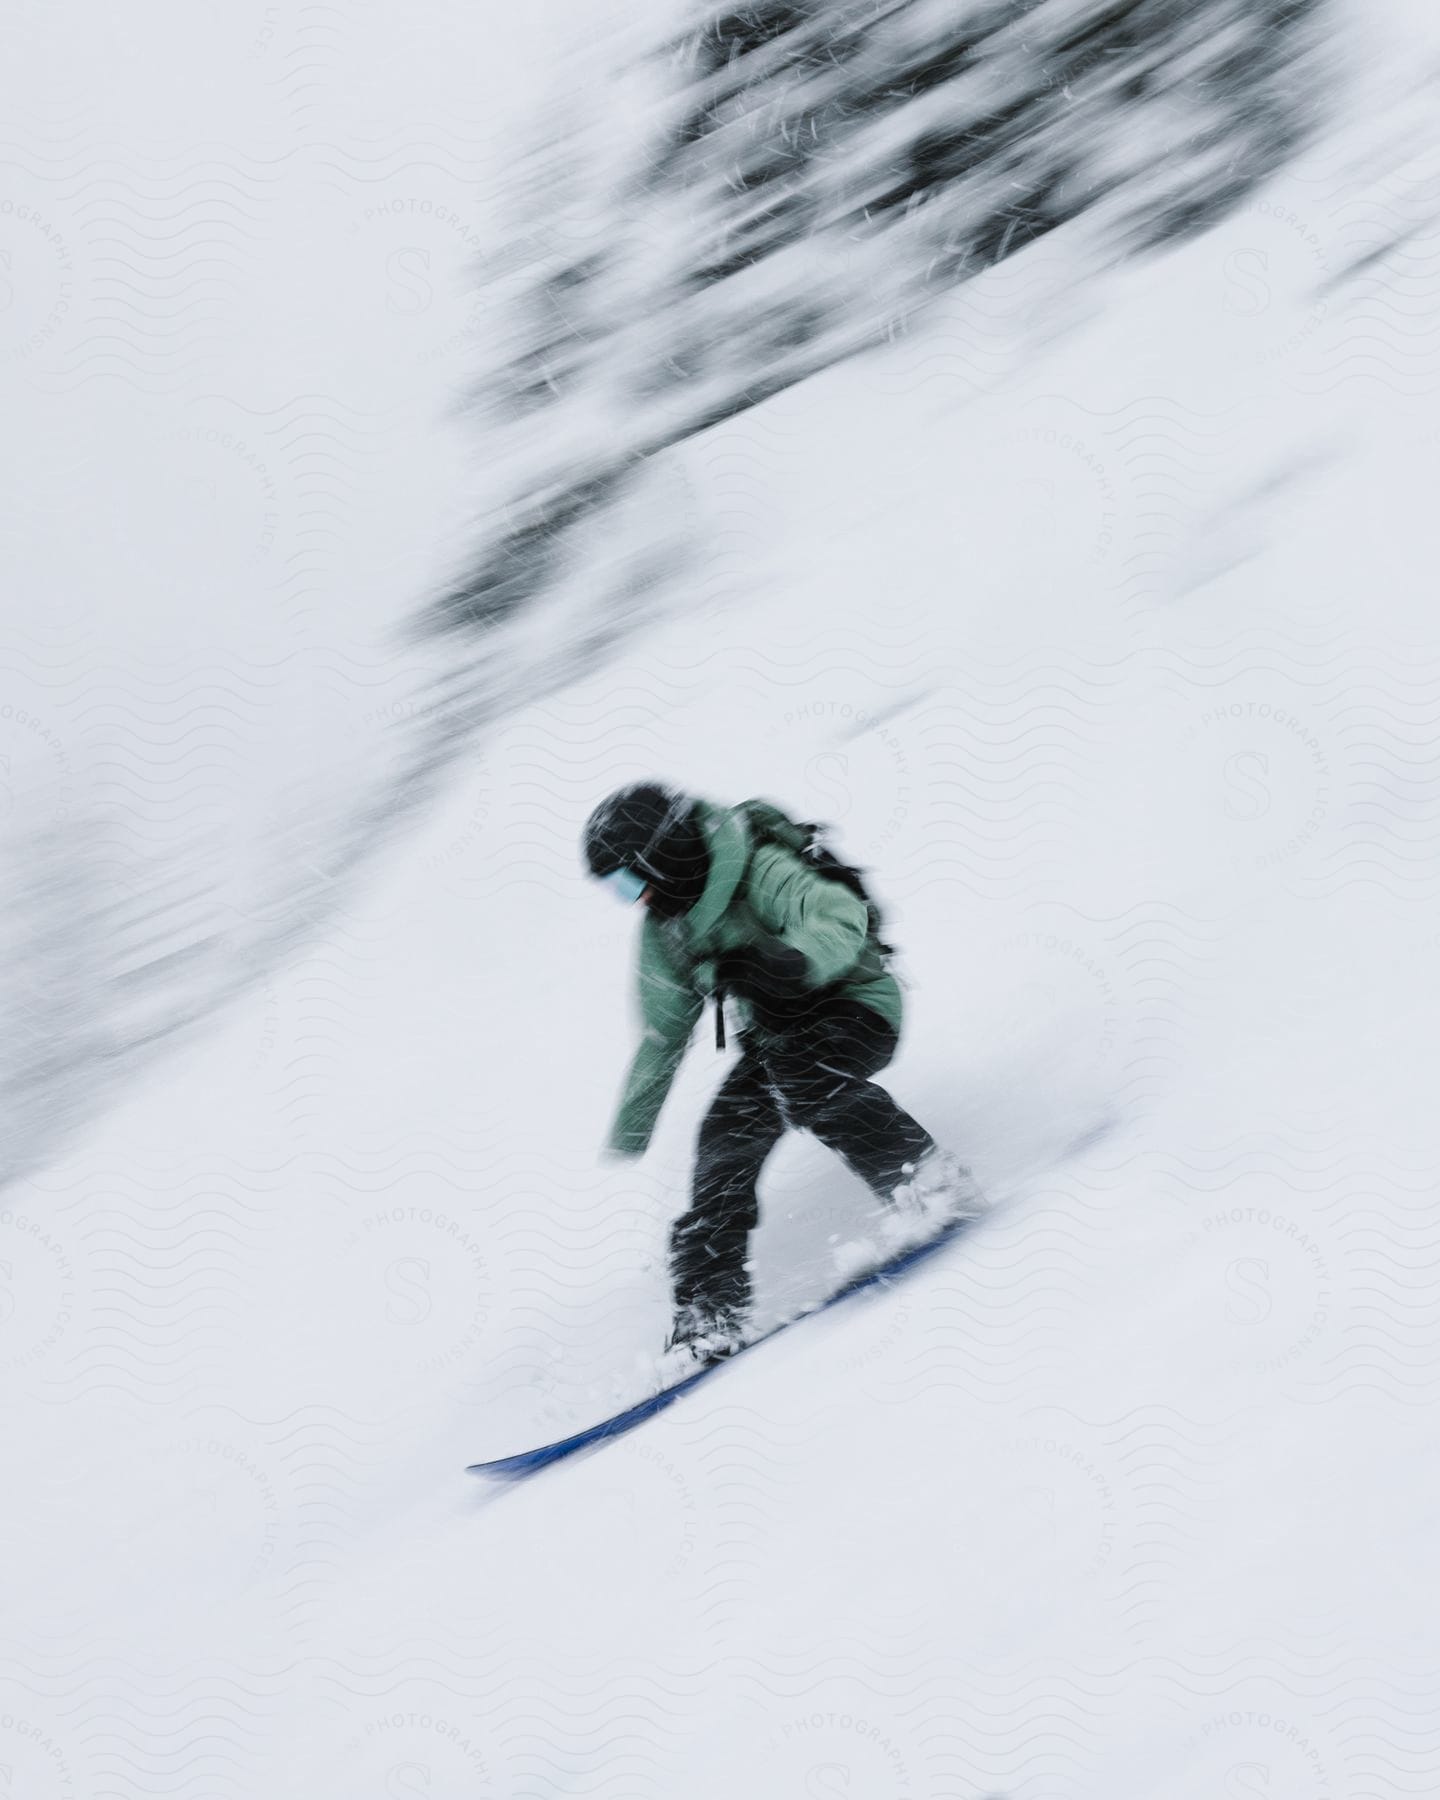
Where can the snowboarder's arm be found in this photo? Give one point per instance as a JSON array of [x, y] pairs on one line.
[[670, 1007], [821, 919], [652, 1071]]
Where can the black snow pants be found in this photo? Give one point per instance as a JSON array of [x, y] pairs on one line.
[[814, 1077]]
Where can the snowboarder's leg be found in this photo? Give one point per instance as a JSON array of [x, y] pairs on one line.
[[822, 1069], [709, 1244]]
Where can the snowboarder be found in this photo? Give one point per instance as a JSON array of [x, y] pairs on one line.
[[734, 908]]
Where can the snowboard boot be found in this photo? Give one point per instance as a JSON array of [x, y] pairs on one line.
[[702, 1332], [938, 1189]]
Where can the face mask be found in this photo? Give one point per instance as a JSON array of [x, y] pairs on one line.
[[625, 884]]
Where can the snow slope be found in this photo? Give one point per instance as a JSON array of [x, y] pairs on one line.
[[1102, 623]]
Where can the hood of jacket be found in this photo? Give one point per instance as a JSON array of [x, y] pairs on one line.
[[729, 844]]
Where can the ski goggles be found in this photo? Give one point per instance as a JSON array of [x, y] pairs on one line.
[[625, 884]]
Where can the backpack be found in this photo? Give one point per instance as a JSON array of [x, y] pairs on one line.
[[769, 825]]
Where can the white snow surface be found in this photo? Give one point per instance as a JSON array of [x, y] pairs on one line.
[[1102, 621]]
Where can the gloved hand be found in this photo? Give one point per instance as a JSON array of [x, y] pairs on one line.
[[768, 973]]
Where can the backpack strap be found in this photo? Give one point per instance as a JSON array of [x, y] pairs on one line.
[[768, 825]]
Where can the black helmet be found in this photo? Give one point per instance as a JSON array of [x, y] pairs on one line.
[[654, 831]]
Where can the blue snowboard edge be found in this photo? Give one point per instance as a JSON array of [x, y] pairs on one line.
[[527, 1462]]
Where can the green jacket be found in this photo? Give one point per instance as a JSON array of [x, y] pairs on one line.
[[753, 889]]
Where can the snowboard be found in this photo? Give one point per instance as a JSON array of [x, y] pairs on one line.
[[892, 1268], [881, 1273]]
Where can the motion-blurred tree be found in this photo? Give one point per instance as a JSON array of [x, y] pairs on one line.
[[808, 174]]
